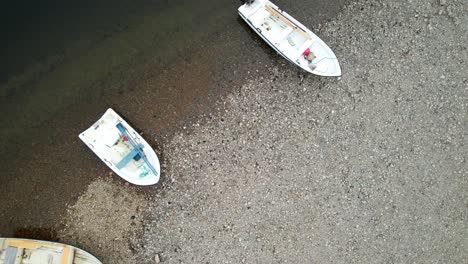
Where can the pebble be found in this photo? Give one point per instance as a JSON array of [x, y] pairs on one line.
[[157, 259]]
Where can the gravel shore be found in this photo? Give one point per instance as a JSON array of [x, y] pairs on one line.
[[367, 168], [102, 220]]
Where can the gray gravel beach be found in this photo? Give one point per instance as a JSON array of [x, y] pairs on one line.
[[370, 168], [295, 168]]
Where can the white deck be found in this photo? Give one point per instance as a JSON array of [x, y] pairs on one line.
[[290, 38]]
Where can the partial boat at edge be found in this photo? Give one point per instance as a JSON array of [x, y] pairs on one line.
[[28, 251]]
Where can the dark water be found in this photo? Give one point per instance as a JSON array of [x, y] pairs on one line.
[[159, 63], [57, 54]]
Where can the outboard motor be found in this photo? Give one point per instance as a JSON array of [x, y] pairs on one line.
[[248, 2]]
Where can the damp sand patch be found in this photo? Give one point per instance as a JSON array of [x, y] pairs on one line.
[[103, 219]]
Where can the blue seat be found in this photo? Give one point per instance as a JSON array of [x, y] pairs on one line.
[[135, 151], [137, 148], [10, 256]]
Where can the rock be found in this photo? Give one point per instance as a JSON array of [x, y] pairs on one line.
[[443, 2], [157, 259]]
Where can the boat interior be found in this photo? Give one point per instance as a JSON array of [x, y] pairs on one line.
[[279, 30], [290, 38], [122, 153]]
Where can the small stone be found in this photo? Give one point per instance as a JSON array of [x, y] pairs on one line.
[[157, 259], [443, 2]]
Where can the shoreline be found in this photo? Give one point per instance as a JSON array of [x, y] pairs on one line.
[[275, 166], [54, 166]]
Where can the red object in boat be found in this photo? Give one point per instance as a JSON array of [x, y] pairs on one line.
[[306, 52]]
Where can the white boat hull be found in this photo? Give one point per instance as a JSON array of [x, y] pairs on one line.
[[116, 150], [290, 38], [28, 251]]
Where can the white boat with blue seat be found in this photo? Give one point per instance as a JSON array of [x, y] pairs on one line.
[[121, 148], [290, 38]]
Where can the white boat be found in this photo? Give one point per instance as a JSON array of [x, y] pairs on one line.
[[290, 38], [28, 251], [119, 146]]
